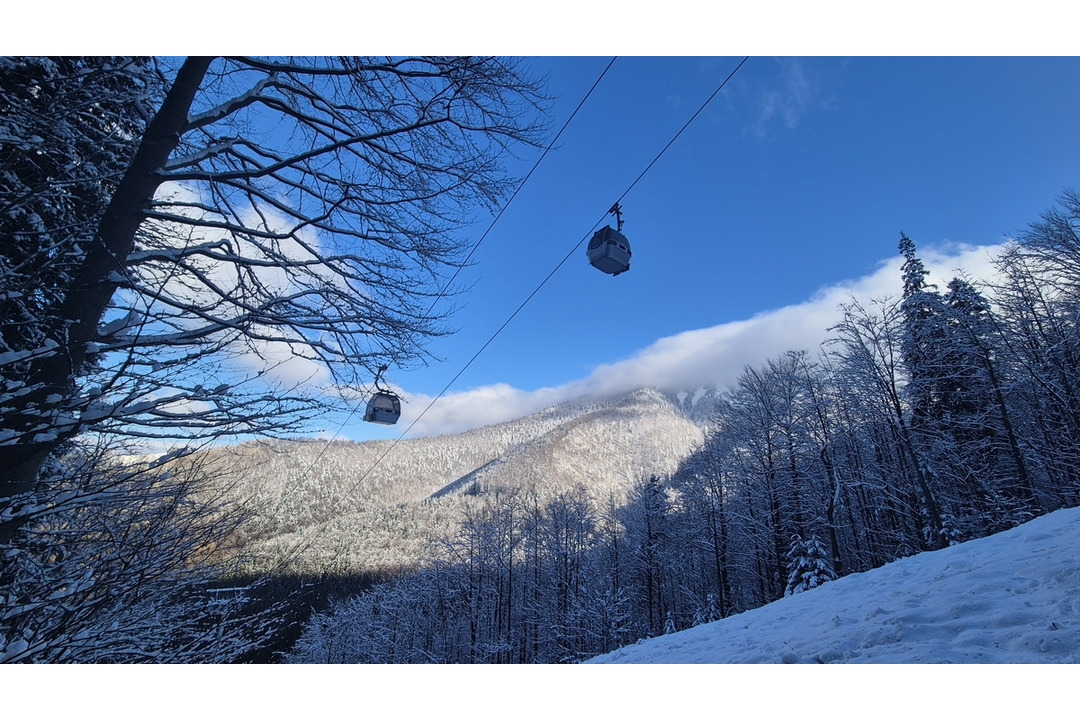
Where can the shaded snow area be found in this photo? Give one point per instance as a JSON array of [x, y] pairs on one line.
[[1013, 597]]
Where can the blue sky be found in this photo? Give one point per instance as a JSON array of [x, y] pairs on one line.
[[785, 197], [787, 194]]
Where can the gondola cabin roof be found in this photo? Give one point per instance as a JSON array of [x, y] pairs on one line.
[[609, 251], [383, 408]]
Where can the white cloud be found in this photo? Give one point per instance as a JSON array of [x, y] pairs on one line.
[[708, 356], [477, 407], [788, 102], [278, 354], [287, 363]]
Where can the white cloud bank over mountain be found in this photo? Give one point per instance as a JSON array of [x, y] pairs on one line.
[[709, 356]]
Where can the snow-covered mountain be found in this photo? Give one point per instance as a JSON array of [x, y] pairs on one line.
[[1013, 597], [373, 506], [698, 404]]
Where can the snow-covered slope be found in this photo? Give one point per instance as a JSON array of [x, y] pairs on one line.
[[375, 506], [1010, 598]]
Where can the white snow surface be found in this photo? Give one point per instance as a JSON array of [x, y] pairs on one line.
[[1013, 597]]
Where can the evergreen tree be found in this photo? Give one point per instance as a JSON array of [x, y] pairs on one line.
[[69, 128], [970, 455], [923, 339], [809, 565]]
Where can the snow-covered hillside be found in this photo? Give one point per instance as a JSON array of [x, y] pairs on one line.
[[374, 506], [1013, 597]]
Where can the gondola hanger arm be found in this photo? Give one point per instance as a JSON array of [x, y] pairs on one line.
[[378, 376], [616, 210]]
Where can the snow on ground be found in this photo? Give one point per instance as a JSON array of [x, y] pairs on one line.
[[1013, 597], [985, 605]]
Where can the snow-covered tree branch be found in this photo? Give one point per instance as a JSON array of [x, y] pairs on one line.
[[269, 211]]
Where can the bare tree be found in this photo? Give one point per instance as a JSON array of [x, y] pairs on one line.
[[278, 224], [198, 249], [867, 349], [1038, 329], [118, 563]]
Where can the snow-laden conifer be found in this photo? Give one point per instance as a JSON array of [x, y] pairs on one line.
[[809, 565]]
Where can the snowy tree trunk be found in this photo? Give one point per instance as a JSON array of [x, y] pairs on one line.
[[52, 378]]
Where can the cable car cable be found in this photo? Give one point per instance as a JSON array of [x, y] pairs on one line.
[[526, 179], [476, 245], [682, 129], [439, 296], [540, 286], [609, 250], [574, 249]]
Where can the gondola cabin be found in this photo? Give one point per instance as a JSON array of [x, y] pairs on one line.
[[609, 251], [383, 408]]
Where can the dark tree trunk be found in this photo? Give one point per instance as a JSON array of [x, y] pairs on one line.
[[54, 376]]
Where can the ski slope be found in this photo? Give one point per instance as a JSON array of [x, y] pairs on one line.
[[1013, 597]]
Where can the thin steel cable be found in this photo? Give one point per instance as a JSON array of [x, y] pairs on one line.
[[683, 128], [441, 294], [531, 295], [579, 243]]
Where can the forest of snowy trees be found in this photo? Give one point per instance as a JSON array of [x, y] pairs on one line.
[[176, 231], [927, 418]]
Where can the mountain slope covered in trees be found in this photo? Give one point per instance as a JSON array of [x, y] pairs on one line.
[[374, 507]]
